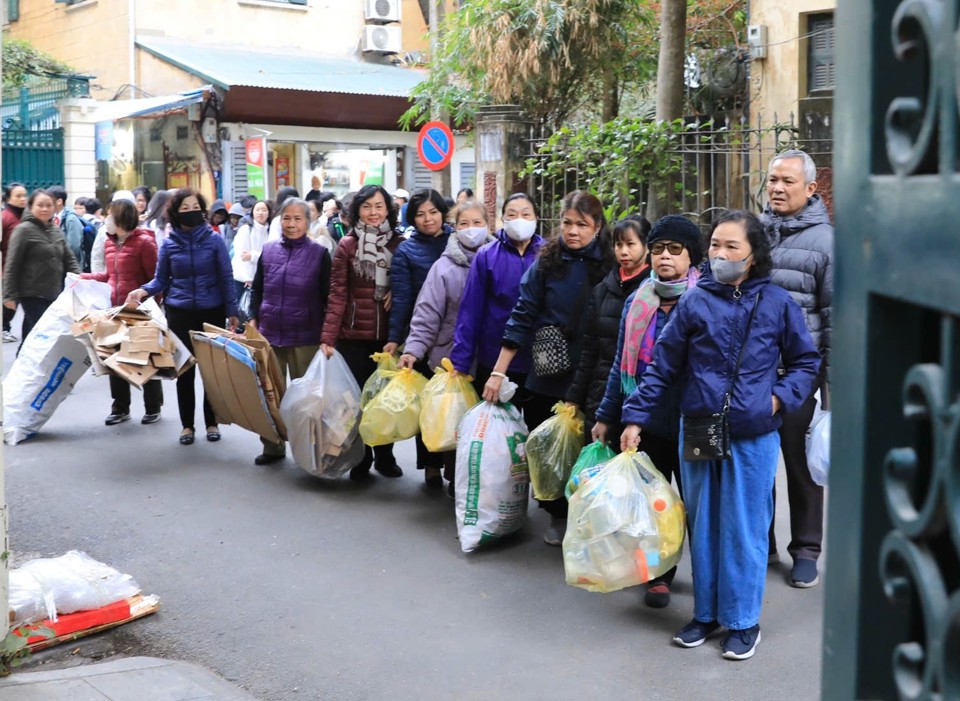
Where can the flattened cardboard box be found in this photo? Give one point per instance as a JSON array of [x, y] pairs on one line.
[[241, 379]]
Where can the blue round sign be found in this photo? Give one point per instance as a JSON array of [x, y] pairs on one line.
[[435, 145]]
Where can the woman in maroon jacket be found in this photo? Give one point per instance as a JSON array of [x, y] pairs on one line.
[[131, 256], [14, 202], [357, 323]]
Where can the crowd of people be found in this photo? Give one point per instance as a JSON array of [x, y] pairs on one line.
[[646, 329]]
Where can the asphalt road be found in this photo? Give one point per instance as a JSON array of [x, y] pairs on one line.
[[298, 589]]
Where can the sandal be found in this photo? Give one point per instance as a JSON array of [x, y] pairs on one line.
[[213, 434], [186, 438]]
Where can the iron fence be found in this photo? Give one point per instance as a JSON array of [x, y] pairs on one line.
[[721, 164]]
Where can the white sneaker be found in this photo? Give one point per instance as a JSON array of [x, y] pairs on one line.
[[9, 337]]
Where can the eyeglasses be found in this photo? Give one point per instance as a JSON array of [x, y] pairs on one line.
[[674, 248]]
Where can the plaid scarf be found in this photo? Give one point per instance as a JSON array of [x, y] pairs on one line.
[[372, 261]]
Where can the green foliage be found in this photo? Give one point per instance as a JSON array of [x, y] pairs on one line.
[[553, 58], [21, 59], [615, 160], [13, 648]]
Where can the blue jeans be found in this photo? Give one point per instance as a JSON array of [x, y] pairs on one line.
[[729, 507]]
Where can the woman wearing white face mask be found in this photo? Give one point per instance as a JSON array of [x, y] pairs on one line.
[[435, 313], [492, 291]]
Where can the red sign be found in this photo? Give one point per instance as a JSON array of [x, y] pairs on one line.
[[435, 145], [255, 152]]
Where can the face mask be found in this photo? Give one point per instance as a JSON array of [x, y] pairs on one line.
[[668, 289], [110, 225], [191, 219], [473, 237], [728, 271], [520, 229]]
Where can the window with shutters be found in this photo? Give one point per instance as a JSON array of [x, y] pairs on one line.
[[822, 71], [468, 175], [13, 10]]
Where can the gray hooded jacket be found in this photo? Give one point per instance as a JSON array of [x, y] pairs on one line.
[[803, 265]]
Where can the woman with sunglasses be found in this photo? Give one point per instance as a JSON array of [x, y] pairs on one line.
[[676, 250]]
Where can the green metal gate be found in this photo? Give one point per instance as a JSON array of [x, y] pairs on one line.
[[892, 621], [33, 157]]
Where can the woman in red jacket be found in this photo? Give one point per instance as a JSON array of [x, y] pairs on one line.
[[131, 256], [357, 323], [14, 202]]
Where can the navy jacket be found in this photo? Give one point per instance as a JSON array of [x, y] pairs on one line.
[[701, 343], [552, 301], [408, 271], [194, 272]]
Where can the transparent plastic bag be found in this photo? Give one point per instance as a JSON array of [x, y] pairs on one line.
[[818, 449], [66, 584], [492, 482], [321, 411], [443, 403], [625, 526], [591, 459], [386, 369], [552, 449], [394, 414]]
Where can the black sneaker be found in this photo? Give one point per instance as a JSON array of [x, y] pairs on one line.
[[657, 595], [741, 644], [388, 469], [804, 574], [266, 459], [117, 418], [695, 633], [151, 418]]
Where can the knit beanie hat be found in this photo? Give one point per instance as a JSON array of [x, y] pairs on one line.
[[674, 227]]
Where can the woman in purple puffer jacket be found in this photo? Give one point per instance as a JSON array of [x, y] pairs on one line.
[[435, 312], [289, 299]]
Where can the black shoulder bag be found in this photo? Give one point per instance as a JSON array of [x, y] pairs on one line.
[[708, 437], [551, 344]]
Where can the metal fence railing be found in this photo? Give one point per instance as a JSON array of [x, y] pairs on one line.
[[33, 105]]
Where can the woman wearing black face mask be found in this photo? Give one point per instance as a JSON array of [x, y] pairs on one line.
[[195, 276]]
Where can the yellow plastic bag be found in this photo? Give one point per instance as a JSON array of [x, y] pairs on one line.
[[386, 369], [625, 526], [394, 413], [443, 403], [552, 449]]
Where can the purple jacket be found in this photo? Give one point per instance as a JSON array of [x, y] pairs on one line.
[[492, 291], [435, 313], [289, 296]]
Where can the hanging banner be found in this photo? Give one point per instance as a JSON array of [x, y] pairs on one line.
[[282, 170], [104, 141], [256, 170]]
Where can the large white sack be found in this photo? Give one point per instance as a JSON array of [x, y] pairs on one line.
[[492, 479], [51, 361]]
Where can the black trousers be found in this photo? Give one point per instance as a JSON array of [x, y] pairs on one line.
[[120, 391], [8, 315], [805, 497], [182, 322], [33, 309], [357, 356]]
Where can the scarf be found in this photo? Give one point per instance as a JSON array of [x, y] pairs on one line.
[[640, 328], [372, 261]]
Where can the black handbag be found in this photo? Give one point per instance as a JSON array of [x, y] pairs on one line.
[[551, 352], [708, 437]]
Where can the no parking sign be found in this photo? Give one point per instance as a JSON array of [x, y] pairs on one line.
[[435, 145]]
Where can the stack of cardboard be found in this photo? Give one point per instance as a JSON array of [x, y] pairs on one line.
[[242, 380], [133, 345]]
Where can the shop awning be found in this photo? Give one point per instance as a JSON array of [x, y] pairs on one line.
[[293, 87], [149, 106]]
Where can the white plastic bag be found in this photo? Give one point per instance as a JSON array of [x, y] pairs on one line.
[[322, 413], [492, 479], [51, 361], [818, 449], [73, 582]]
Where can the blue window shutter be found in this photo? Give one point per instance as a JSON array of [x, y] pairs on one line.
[[297, 2], [13, 10]]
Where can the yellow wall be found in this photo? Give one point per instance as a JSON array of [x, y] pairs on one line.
[[77, 35], [777, 81], [162, 78]]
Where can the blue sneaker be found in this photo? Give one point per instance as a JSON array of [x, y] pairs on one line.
[[740, 644], [804, 574], [695, 633]]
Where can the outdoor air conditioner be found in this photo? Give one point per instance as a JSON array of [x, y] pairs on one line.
[[384, 40], [382, 11]]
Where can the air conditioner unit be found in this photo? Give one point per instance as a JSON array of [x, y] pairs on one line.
[[382, 11], [384, 40]]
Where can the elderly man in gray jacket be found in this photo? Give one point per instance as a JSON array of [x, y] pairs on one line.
[[801, 238]]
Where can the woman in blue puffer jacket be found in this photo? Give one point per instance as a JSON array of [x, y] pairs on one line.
[[195, 276], [427, 212], [733, 312]]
